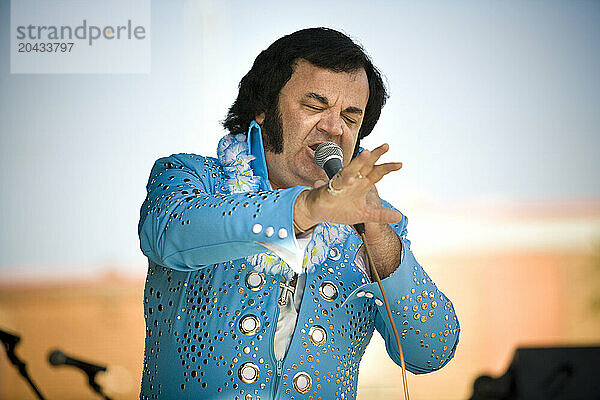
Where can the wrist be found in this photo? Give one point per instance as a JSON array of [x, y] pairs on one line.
[[303, 219]]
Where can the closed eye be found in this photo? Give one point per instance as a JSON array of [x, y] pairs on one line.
[[350, 120], [314, 108]]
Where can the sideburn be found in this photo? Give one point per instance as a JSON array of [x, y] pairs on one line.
[[272, 132]]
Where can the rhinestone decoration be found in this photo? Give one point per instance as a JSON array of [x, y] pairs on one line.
[[249, 373], [317, 335], [255, 281], [334, 254], [249, 325], [328, 291], [257, 228], [302, 382]]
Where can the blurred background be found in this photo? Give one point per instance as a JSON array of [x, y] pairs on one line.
[[494, 111]]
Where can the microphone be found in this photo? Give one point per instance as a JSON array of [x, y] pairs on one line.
[[57, 358], [329, 156]]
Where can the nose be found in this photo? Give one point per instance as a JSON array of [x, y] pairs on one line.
[[331, 123]]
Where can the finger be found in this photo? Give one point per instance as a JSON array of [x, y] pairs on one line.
[[373, 158], [378, 152], [384, 215], [381, 170], [319, 183], [356, 164]]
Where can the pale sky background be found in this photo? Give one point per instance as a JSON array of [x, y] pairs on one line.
[[494, 106]]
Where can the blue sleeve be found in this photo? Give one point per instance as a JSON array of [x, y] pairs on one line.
[[423, 315], [185, 223]]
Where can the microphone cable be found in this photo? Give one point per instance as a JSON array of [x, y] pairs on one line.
[[387, 309], [329, 157]]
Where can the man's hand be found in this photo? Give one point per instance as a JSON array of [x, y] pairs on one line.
[[357, 200]]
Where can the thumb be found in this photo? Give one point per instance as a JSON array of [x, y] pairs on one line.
[[319, 183]]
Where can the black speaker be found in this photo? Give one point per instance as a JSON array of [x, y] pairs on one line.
[[554, 373]]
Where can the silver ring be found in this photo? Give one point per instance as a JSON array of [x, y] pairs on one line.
[[333, 191], [359, 175]]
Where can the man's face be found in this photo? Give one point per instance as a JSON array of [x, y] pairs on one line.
[[316, 105]]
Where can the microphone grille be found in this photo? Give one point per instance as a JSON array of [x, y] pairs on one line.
[[326, 151]]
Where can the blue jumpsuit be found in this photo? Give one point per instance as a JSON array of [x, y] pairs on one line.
[[213, 230]]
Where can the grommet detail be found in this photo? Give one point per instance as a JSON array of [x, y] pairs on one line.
[[369, 295], [334, 254], [317, 335], [249, 373], [255, 281], [249, 325], [328, 291], [378, 302], [282, 233], [269, 231], [360, 294], [302, 382], [257, 228]]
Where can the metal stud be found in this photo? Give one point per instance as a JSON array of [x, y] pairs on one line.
[[255, 281], [328, 291], [249, 373], [249, 325], [269, 231], [334, 254], [317, 335], [302, 382]]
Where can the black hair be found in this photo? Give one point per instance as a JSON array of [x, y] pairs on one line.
[[322, 47]]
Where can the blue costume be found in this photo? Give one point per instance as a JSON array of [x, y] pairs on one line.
[[217, 238]]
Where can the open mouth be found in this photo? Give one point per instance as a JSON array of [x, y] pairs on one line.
[[314, 146]]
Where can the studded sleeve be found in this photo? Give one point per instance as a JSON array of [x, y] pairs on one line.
[[423, 315], [189, 219]]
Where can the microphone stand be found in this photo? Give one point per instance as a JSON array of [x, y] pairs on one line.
[[94, 385], [57, 358], [10, 342]]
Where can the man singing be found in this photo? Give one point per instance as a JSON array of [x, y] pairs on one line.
[[258, 287]]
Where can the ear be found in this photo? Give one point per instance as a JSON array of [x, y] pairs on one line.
[[260, 118]]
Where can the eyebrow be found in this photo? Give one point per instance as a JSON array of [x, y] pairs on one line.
[[323, 100]]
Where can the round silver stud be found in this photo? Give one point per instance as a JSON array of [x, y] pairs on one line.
[[334, 254], [378, 302], [249, 373], [269, 231], [249, 325], [302, 382], [369, 295], [282, 233], [360, 293], [328, 291], [257, 228], [255, 281], [317, 335]]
